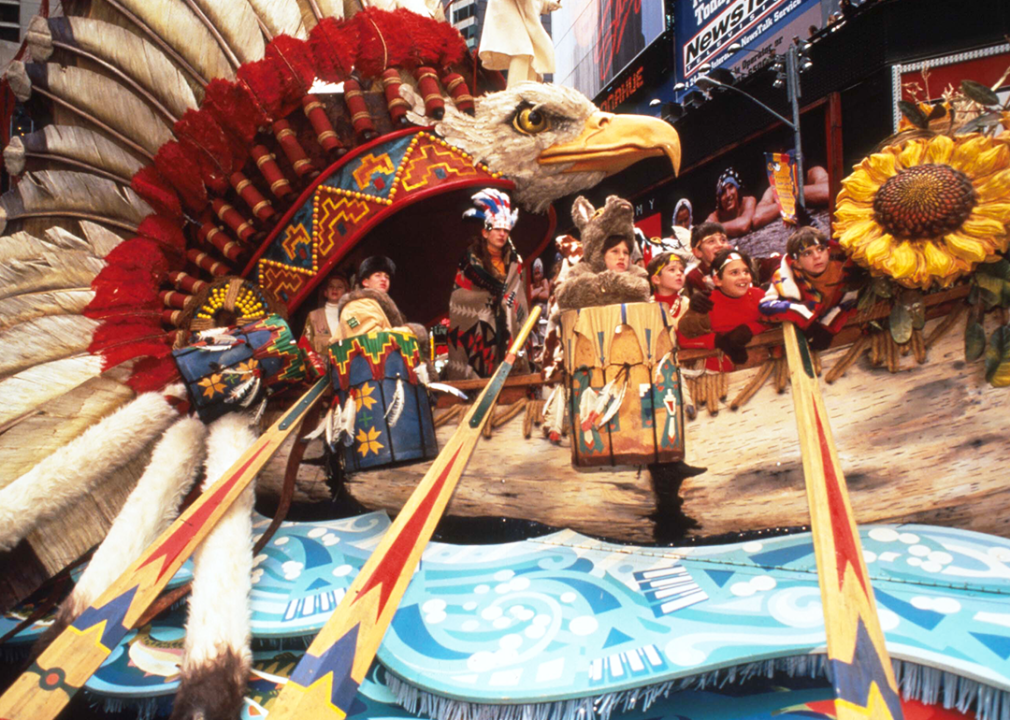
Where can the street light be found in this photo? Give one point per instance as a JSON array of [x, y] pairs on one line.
[[788, 67]]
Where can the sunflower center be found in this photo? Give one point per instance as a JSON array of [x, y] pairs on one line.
[[925, 201]]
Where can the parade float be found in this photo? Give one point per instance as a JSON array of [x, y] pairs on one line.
[[192, 190]]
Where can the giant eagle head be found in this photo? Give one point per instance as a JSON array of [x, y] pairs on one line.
[[551, 140]]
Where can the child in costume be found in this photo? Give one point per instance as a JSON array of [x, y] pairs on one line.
[[707, 240], [368, 308], [666, 273], [321, 323], [489, 294], [730, 317], [810, 287]]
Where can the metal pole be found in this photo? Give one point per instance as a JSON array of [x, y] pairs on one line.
[[793, 89]]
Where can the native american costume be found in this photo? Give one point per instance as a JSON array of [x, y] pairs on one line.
[[826, 299]]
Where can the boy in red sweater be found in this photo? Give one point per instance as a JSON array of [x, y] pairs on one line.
[[730, 317]]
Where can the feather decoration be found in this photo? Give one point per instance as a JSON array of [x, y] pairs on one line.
[[149, 509], [330, 424], [78, 146], [216, 653], [100, 239], [135, 60], [281, 17], [348, 418], [235, 22], [78, 467], [42, 340], [395, 408], [30, 388], [29, 306], [66, 192], [96, 98], [183, 32], [334, 46], [587, 406], [614, 406], [59, 420], [47, 271], [314, 11], [25, 247]]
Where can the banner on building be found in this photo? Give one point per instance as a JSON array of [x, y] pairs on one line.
[[595, 40], [782, 179], [706, 28]]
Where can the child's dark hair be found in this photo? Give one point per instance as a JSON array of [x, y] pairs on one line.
[[803, 238], [724, 257], [700, 232], [615, 240], [659, 262]]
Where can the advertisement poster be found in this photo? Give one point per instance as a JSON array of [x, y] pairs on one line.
[[782, 182], [706, 28], [594, 40]]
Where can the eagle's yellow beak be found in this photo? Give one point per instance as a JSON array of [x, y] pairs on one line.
[[610, 143]]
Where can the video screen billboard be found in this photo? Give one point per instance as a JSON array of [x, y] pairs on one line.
[[705, 28], [594, 40]]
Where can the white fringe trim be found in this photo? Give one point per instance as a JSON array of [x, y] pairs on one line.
[[915, 682], [222, 564], [76, 468], [150, 509]]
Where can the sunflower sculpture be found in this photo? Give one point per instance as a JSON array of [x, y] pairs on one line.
[[927, 209]]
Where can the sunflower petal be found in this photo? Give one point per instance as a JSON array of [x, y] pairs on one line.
[[851, 211], [994, 188], [966, 154], [965, 247], [982, 227], [939, 262], [939, 150], [876, 251], [994, 211], [911, 154], [881, 166], [859, 233], [989, 161], [902, 261], [861, 186]]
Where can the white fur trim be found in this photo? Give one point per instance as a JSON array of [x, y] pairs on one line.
[[222, 565], [78, 467], [150, 509]]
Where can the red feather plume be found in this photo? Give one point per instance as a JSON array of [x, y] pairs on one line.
[[151, 186], [175, 165], [334, 46], [382, 42], [208, 145], [294, 58], [454, 48], [234, 107], [423, 41]]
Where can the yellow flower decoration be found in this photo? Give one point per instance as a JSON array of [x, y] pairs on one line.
[[926, 211], [369, 441], [212, 385], [248, 367], [363, 397]]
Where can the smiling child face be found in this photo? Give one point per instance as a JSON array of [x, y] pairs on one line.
[[734, 279]]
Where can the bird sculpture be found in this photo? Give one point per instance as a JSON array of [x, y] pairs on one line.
[[184, 137]]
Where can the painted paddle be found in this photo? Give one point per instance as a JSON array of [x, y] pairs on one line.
[[861, 668], [59, 672], [326, 680]]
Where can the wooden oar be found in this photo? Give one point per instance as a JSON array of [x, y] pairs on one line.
[[864, 680], [326, 680], [59, 672]]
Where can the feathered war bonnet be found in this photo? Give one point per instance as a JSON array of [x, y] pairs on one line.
[[494, 209]]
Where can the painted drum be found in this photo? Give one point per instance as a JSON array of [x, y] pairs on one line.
[[624, 386], [378, 370], [233, 367]]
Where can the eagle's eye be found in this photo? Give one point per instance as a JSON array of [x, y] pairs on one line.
[[530, 121]]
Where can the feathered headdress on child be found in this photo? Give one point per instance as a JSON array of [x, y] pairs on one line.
[[494, 208]]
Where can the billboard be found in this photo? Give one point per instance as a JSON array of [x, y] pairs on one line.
[[705, 28], [594, 40]]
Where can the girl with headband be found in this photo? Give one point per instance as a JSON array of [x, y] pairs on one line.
[[735, 316]]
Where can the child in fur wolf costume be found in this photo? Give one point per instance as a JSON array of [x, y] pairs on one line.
[[601, 278], [810, 288]]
